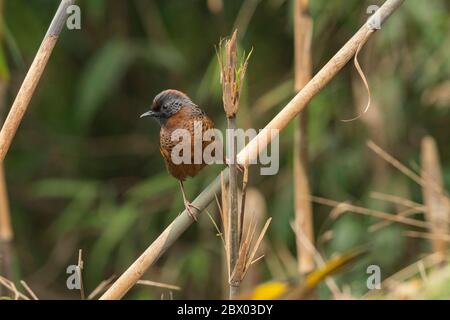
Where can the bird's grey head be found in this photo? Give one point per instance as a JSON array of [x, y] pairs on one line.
[[166, 104]]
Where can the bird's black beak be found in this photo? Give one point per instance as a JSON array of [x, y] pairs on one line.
[[148, 113]]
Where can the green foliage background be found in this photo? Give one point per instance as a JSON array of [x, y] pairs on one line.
[[85, 172]]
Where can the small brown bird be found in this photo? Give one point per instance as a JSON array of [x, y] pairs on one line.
[[175, 110]]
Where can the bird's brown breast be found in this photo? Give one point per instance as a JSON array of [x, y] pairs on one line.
[[186, 119]]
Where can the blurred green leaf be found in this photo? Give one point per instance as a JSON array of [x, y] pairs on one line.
[[151, 187], [96, 9], [198, 260], [65, 188], [165, 56], [101, 77], [4, 70], [71, 218], [115, 229]]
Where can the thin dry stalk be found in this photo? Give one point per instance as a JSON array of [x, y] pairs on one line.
[[32, 78], [397, 200], [382, 224], [127, 280], [405, 170], [303, 73], [222, 205], [254, 206], [243, 199], [12, 287], [437, 205], [233, 215], [80, 273], [30, 292], [248, 250], [101, 287], [6, 232], [159, 285], [444, 238], [370, 212]]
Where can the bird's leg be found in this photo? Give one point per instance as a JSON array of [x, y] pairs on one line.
[[187, 204]]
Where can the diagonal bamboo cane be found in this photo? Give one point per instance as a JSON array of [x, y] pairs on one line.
[[32, 78], [129, 278]]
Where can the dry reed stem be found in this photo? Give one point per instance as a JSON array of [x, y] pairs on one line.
[[12, 287], [159, 285], [437, 205], [32, 78], [247, 251], [6, 232], [234, 218], [406, 213], [405, 170], [243, 199], [397, 200], [303, 73], [255, 210], [370, 212], [102, 286], [30, 292], [127, 280], [431, 236], [80, 267]]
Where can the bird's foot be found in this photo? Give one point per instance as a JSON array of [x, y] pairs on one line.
[[189, 206]]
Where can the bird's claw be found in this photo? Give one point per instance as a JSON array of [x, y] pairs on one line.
[[189, 206]]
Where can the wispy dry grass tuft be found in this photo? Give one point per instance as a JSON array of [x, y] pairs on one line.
[[9, 285], [232, 73]]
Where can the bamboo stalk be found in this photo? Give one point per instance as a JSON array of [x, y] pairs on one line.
[[6, 231], [232, 74], [128, 279], [233, 215], [32, 78], [303, 73], [437, 205]]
